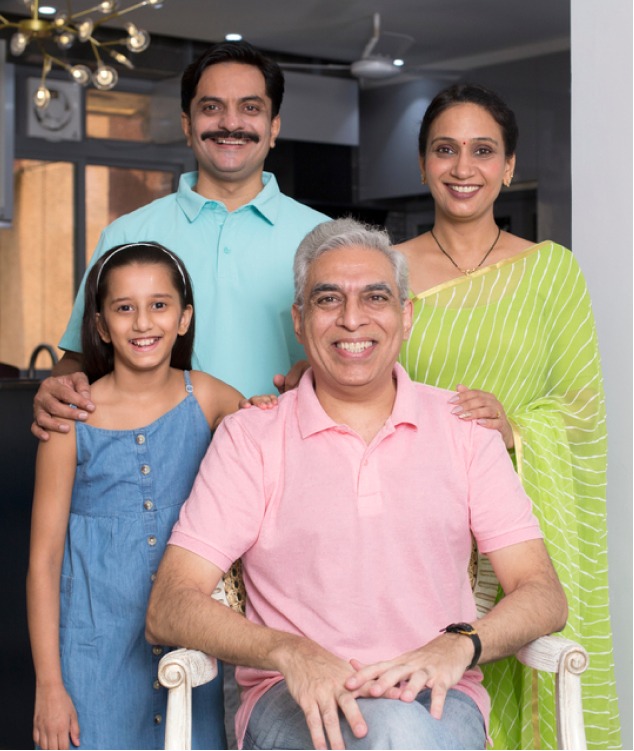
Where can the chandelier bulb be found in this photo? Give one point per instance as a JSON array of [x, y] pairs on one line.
[[42, 97], [107, 6], [80, 74], [138, 42], [105, 78], [18, 43], [84, 30], [65, 40]]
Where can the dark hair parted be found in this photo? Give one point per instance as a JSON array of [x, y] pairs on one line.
[[470, 93], [98, 355], [234, 52]]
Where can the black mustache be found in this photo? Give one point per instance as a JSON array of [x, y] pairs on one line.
[[240, 134]]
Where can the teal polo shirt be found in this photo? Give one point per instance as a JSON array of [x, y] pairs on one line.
[[241, 265]]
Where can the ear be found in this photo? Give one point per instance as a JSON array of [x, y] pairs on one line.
[[102, 329], [186, 125], [509, 169], [408, 312], [297, 323], [275, 130], [185, 320]]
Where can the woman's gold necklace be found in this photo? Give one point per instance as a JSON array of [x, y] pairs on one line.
[[468, 272]]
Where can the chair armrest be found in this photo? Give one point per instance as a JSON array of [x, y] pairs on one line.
[[554, 653], [180, 671], [567, 660]]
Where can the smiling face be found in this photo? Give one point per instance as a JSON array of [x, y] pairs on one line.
[[352, 324], [229, 126], [464, 162], [141, 315]]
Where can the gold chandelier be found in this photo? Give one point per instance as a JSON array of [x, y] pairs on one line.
[[65, 29]]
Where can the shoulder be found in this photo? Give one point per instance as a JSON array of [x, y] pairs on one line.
[[434, 397], [120, 228], [301, 212], [264, 426], [560, 266], [215, 397]]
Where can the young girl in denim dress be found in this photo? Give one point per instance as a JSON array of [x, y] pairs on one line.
[[105, 502]]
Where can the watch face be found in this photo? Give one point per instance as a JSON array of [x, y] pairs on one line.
[[458, 627]]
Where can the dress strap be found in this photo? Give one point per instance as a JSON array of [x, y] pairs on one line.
[[188, 382]]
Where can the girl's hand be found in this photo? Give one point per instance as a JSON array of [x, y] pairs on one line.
[[485, 409], [264, 401], [55, 723]]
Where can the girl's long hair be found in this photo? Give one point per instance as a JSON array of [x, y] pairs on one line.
[[98, 355]]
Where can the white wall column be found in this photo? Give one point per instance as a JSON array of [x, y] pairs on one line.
[[601, 45]]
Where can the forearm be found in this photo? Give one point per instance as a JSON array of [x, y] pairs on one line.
[[187, 617], [43, 622], [70, 362]]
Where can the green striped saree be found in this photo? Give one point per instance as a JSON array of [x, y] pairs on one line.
[[523, 330]]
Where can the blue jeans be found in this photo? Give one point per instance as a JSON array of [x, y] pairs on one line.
[[278, 722]]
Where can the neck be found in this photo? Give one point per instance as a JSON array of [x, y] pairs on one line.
[[233, 194], [463, 238], [143, 385], [360, 408]]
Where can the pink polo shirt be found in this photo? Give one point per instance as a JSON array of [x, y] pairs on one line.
[[362, 548]]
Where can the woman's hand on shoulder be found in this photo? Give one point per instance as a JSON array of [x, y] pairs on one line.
[[485, 409]]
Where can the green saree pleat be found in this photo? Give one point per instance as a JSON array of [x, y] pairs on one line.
[[523, 329]]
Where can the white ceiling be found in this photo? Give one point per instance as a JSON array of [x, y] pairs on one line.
[[449, 34]]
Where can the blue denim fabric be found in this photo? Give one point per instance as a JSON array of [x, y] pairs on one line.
[[277, 722], [129, 487]]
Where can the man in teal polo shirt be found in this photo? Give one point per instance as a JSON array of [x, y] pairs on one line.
[[230, 224]]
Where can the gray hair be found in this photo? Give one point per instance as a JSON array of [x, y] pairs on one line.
[[346, 233]]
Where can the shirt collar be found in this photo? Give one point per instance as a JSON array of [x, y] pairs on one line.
[[312, 417], [266, 203]]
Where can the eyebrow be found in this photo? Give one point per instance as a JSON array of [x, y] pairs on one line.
[[329, 287], [485, 139], [242, 100], [155, 296]]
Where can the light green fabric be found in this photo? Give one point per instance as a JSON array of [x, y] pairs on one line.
[[523, 329]]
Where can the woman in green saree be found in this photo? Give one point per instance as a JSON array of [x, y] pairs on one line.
[[508, 325]]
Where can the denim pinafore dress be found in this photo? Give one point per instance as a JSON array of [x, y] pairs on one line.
[[129, 487]]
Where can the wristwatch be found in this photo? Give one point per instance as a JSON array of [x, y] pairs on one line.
[[466, 629]]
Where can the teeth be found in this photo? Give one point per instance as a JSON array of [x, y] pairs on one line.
[[354, 347], [464, 188], [144, 342], [232, 141]]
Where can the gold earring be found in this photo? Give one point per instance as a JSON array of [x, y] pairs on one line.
[[423, 179], [508, 181]]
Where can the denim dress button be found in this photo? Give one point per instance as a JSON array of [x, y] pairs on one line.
[[140, 439], [157, 651], [148, 505], [151, 540], [145, 469]]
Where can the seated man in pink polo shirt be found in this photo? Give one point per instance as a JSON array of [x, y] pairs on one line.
[[352, 505]]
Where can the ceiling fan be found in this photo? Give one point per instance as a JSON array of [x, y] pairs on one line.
[[382, 56]]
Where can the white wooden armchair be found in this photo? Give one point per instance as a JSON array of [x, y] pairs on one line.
[[183, 669]]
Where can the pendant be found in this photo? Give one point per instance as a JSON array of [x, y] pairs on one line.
[[468, 272]]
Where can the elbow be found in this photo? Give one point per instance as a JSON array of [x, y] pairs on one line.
[[152, 624], [560, 611]]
